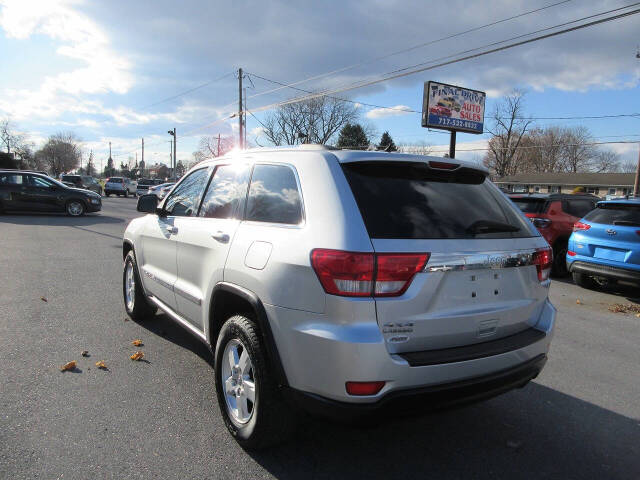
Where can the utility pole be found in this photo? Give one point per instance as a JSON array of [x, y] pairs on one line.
[[244, 117], [142, 149], [218, 154], [636, 186], [452, 144], [240, 114]]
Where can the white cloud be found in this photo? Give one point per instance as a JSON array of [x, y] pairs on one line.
[[80, 39], [388, 112]]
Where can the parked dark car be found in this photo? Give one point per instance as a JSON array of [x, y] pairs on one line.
[[82, 181], [554, 215], [28, 191]]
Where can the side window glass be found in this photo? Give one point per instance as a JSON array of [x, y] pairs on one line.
[[274, 196], [39, 182], [225, 197], [579, 208], [11, 179], [184, 200]]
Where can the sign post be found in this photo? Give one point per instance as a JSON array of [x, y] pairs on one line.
[[457, 109]]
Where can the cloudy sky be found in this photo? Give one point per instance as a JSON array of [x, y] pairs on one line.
[[121, 70]]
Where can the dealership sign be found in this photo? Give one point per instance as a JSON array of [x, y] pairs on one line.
[[452, 108]]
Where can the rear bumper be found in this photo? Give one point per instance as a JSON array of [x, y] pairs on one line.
[[600, 270], [424, 399], [319, 357]]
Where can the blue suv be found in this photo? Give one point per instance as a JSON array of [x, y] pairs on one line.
[[605, 244]]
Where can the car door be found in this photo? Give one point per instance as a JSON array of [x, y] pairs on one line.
[[42, 195], [11, 190], [159, 236], [203, 241]]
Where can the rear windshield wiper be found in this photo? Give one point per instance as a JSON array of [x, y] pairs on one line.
[[627, 223], [489, 226]]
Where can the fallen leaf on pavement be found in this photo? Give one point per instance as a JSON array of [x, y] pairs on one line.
[[68, 366], [137, 356], [638, 315], [43, 299], [624, 308], [578, 302], [137, 343], [85, 353], [101, 365]]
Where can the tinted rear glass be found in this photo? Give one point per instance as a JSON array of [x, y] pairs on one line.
[[70, 178], [145, 181], [611, 214], [410, 201], [115, 179], [530, 205]]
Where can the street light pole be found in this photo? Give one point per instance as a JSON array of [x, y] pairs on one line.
[[174, 161], [240, 114]]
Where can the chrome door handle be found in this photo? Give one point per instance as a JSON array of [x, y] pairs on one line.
[[173, 230], [221, 237]]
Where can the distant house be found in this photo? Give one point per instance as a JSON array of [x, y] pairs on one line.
[[602, 184]]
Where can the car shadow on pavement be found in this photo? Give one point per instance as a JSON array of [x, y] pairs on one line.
[[629, 291], [535, 432], [58, 219], [163, 326]]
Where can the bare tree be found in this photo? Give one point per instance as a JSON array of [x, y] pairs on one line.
[[605, 161], [421, 148], [508, 129], [15, 142], [628, 166], [314, 121], [213, 146], [61, 153], [578, 152]]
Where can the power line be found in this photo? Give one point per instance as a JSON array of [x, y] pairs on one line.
[[410, 110], [173, 97], [457, 60], [415, 47]]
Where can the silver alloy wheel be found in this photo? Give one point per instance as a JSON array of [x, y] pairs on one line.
[[239, 381], [129, 286], [75, 208]]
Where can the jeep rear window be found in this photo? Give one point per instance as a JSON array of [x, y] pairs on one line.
[[408, 200], [612, 213], [115, 180], [530, 205]]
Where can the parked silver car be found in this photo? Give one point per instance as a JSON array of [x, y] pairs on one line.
[[120, 186], [343, 282]]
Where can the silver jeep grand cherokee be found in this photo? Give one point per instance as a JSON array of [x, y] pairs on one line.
[[342, 282]]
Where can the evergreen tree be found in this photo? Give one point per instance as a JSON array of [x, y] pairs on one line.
[[91, 168], [352, 136], [386, 143], [109, 171], [180, 169]]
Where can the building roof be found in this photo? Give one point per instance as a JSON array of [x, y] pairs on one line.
[[577, 179]]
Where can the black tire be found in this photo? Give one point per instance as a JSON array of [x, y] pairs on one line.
[[272, 420], [584, 281], [559, 268], [126, 193], [139, 308], [75, 208], [107, 194]]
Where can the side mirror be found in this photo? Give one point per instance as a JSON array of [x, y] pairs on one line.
[[147, 203]]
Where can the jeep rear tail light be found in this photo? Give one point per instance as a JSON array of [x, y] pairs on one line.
[[364, 388], [395, 271], [543, 259], [578, 226], [344, 273], [357, 274]]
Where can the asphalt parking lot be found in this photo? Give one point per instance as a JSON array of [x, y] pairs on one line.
[[159, 419]]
